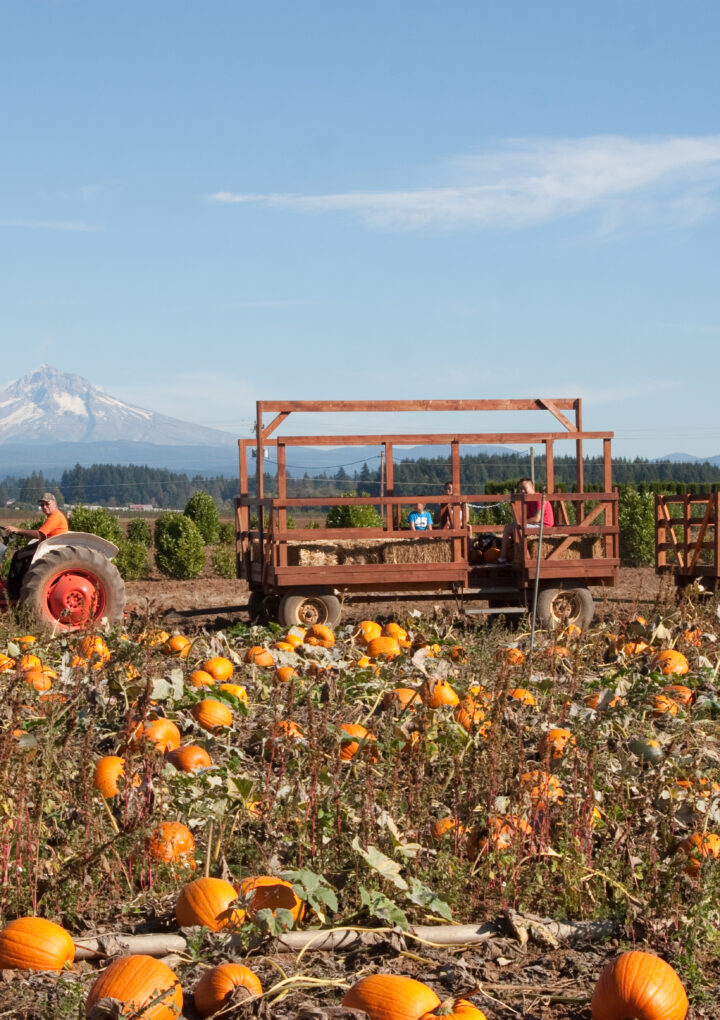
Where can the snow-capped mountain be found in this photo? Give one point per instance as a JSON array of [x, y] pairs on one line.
[[49, 406]]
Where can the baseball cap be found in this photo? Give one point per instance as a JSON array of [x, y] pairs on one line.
[[47, 497]]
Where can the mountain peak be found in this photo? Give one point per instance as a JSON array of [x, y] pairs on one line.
[[50, 406]]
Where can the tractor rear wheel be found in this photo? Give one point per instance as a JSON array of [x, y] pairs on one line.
[[71, 587]]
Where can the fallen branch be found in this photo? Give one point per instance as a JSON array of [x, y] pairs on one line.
[[103, 946]]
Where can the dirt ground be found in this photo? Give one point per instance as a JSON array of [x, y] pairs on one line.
[[216, 602]]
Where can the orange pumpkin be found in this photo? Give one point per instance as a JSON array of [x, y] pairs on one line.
[[391, 997], [511, 656], [635, 647], [639, 985], [259, 656], [394, 630], [401, 699], [107, 772], [190, 758], [383, 647], [366, 630], [671, 663], [201, 678], [26, 662], [93, 645], [455, 1009], [222, 987], [683, 695], [470, 714], [521, 694], [6, 663], [436, 693], [177, 646], [206, 901], [212, 714], [236, 690], [144, 987], [285, 673], [163, 733], [32, 943], [663, 705], [40, 677], [555, 742], [219, 668], [320, 635], [173, 843], [352, 733], [693, 637], [697, 847], [265, 892]]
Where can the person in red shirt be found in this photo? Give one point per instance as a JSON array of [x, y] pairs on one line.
[[55, 523], [533, 507]]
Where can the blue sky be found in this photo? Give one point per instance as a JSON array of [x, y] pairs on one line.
[[209, 203]]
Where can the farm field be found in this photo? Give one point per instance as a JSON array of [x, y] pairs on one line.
[[582, 787]]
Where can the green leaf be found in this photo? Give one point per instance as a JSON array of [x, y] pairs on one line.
[[274, 922], [425, 897], [379, 905], [385, 866]]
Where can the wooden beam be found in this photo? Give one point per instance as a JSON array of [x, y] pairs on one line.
[[552, 407], [437, 439], [277, 420], [355, 406]]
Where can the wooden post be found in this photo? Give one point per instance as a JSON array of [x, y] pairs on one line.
[[457, 545], [282, 496], [579, 449], [607, 466], [716, 539], [549, 466], [391, 515]]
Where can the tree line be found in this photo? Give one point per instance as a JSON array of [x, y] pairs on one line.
[[115, 485]]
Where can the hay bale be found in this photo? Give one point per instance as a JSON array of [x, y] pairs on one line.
[[418, 550], [369, 551], [312, 554]]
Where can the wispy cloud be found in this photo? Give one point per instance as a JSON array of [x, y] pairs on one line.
[[529, 182], [82, 228]]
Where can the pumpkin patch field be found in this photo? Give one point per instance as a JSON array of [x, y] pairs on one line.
[[407, 818]]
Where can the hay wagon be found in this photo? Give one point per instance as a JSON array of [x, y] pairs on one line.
[[301, 574], [687, 538]]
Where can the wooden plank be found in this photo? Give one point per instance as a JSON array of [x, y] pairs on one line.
[[277, 420], [673, 537], [354, 406], [445, 439], [370, 573], [607, 463], [580, 467], [554, 410], [586, 529], [392, 516], [282, 512]]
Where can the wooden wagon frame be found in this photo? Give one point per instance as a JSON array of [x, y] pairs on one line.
[[300, 591], [687, 538]]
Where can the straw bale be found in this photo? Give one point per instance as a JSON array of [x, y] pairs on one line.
[[312, 554], [418, 550]]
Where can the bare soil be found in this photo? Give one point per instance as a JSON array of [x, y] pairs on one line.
[[211, 601]]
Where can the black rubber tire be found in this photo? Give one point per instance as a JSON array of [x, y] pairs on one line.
[[68, 559], [261, 608], [305, 610], [559, 607]]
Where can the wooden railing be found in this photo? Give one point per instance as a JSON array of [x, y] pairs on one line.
[[687, 536]]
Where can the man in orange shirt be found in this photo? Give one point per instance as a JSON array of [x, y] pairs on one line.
[[55, 523]]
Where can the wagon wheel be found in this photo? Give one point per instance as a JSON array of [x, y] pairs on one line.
[[73, 586], [560, 607], [307, 610]]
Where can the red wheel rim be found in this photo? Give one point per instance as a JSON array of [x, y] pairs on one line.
[[73, 598]]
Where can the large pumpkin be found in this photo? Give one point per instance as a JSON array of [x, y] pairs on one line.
[[671, 663], [223, 986], [260, 656], [383, 647], [639, 986], [391, 997], [146, 988], [219, 668], [351, 735], [172, 843], [190, 758], [32, 943], [207, 901], [163, 733], [107, 772], [211, 714]]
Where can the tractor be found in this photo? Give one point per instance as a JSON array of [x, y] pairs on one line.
[[71, 582]]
